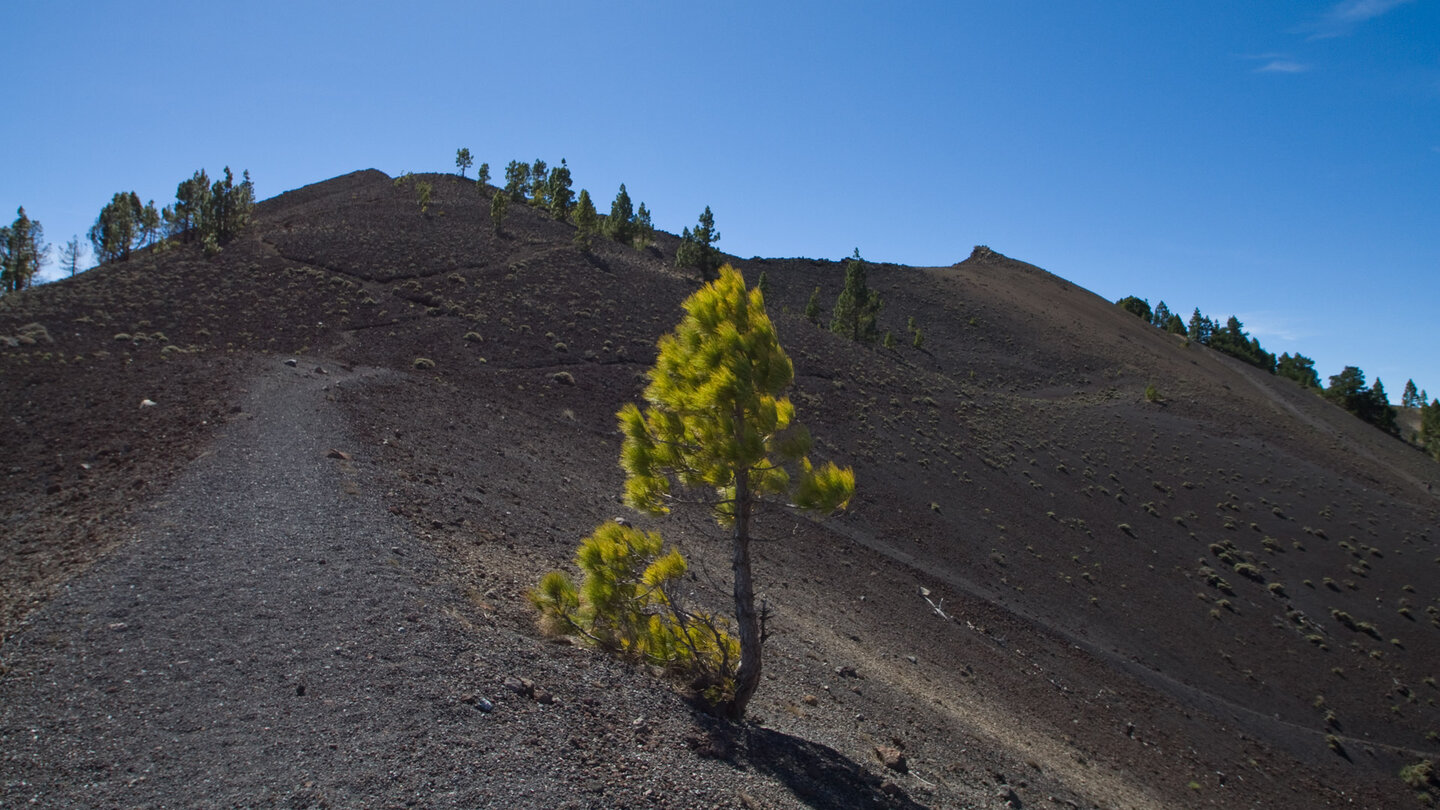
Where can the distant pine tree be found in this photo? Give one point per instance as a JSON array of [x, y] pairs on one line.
[[1410, 398], [858, 306], [620, 225], [517, 180], [1299, 368], [498, 206], [644, 228], [697, 249], [482, 176], [1161, 316], [22, 252], [812, 307], [1138, 307], [587, 221], [558, 194], [463, 159]]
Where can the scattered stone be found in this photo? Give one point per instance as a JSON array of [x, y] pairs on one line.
[[147, 403], [847, 672], [541, 696], [810, 700], [292, 362], [892, 758], [521, 686], [889, 788], [340, 454], [1010, 798], [321, 370]]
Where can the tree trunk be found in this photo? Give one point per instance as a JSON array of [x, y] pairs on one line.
[[747, 621]]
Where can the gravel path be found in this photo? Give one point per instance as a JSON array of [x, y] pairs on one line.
[[239, 646]]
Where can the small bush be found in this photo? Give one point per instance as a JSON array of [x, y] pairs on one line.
[[423, 363], [628, 603], [1419, 775], [1152, 394]]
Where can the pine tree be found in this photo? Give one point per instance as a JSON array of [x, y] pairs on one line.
[[71, 254], [1138, 307], [587, 221], [482, 176], [1430, 427], [644, 228], [620, 225], [561, 198], [717, 420], [812, 307], [463, 159], [192, 206], [1201, 328], [858, 306], [22, 252], [1160, 318], [1299, 368], [697, 249], [498, 205], [539, 184], [113, 234], [1410, 398], [517, 180], [423, 190]]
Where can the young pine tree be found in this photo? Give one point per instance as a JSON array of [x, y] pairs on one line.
[[717, 421], [587, 221], [463, 159], [1410, 398], [482, 176], [812, 307], [644, 228], [539, 184], [498, 205], [561, 198], [858, 306], [620, 225], [697, 247]]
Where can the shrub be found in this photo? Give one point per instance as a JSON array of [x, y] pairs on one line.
[[628, 603], [423, 363], [1419, 775]]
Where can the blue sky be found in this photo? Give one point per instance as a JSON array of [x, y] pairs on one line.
[[1275, 160]]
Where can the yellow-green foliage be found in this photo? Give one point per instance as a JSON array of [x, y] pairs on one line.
[[628, 603], [716, 410]]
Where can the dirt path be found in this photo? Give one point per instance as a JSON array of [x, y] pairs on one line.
[[239, 650]]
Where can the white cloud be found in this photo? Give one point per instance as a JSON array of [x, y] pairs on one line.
[[1344, 16], [1270, 327], [1282, 66]]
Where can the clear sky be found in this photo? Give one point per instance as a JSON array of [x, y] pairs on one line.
[[1279, 161]]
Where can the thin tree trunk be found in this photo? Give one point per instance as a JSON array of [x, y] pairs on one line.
[[747, 676]]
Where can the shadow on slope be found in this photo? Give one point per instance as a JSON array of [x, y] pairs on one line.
[[818, 775]]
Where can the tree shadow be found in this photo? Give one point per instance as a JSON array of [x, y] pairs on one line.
[[817, 775]]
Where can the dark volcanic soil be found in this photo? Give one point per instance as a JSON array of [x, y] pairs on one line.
[[1142, 602]]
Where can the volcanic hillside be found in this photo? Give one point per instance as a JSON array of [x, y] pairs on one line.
[[1226, 594]]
